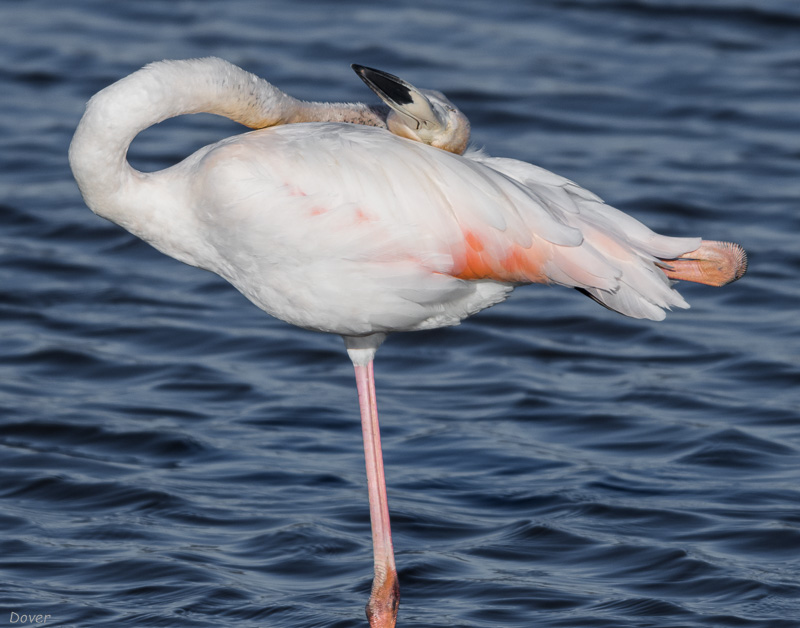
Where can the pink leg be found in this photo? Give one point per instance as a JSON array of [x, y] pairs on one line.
[[385, 597]]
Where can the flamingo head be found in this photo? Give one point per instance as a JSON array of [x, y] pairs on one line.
[[422, 115]]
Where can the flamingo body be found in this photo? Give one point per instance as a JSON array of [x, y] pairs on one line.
[[352, 230]]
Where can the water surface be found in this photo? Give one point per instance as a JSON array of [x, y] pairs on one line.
[[171, 456]]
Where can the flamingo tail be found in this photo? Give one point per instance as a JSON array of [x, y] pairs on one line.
[[712, 264]]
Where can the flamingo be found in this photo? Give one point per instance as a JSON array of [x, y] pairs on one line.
[[363, 220]]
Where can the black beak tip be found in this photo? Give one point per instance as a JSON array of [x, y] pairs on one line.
[[389, 85]]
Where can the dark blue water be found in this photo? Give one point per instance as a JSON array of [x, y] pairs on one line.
[[171, 456]]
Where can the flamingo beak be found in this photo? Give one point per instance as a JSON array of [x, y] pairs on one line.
[[405, 99]]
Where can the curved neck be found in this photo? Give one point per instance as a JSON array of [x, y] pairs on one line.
[[114, 116]]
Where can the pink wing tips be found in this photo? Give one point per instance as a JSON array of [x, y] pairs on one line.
[[713, 264]]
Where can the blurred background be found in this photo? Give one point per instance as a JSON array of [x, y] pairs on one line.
[[172, 456]]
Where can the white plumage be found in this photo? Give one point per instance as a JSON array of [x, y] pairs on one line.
[[367, 230]]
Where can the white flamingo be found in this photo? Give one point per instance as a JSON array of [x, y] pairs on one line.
[[361, 231]]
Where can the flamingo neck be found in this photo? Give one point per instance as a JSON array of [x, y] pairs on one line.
[[354, 113]]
